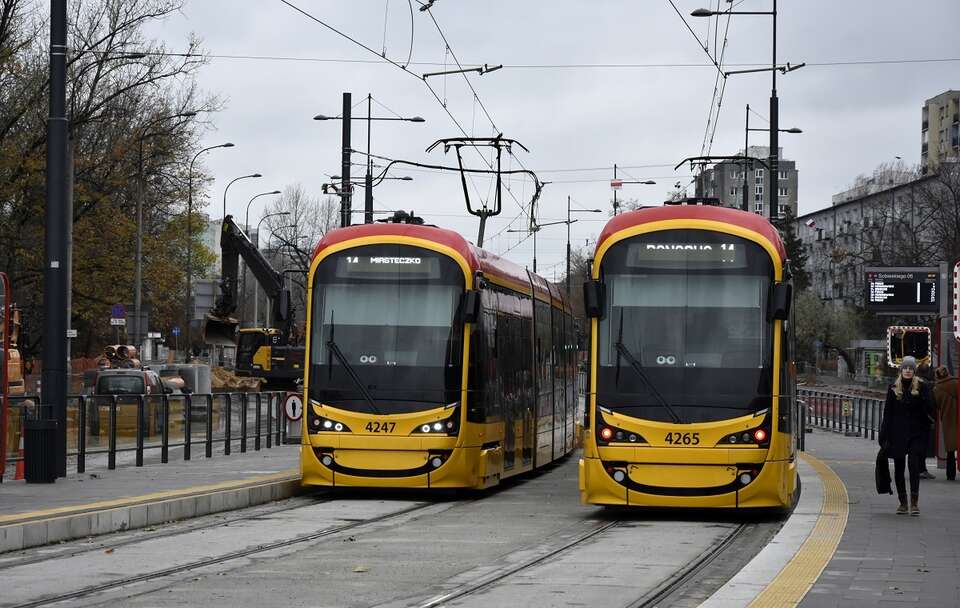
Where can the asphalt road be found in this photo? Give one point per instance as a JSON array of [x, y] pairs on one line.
[[530, 543]]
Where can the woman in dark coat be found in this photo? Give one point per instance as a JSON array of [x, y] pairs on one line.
[[907, 416], [945, 394]]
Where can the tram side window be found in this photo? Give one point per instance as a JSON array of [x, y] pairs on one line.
[[543, 369]]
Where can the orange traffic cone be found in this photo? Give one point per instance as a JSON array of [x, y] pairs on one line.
[[18, 473]]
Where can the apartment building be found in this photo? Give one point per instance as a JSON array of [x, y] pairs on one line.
[[939, 131], [727, 180]]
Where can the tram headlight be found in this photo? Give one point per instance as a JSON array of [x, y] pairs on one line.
[[449, 426], [759, 437], [607, 433], [325, 425]]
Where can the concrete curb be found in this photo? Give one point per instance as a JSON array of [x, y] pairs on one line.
[[746, 585], [39, 528]]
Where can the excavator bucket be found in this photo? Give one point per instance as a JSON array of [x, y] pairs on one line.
[[220, 331]]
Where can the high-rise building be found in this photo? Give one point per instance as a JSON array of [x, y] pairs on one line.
[[725, 181], [940, 131]]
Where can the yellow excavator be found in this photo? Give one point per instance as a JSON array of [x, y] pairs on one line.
[[262, 352]]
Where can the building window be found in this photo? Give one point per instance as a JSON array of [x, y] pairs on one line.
[[783, 175], [733, 191], [759, 192], [782, 192], [782, 209], [759, 173], [758, 208]]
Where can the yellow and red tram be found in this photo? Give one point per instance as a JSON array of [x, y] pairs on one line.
[[691, 396], [432, 363]]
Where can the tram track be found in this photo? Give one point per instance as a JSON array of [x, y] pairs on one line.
[[496, 577], [223, 558], [689, 572], [654, 598], [141, 535]]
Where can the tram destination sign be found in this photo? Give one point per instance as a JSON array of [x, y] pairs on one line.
[[903, 290]]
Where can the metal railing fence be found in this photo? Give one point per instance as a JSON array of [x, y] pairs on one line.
[[113, 425], [852, 415]]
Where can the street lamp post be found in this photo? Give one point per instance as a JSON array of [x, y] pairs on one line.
[[230, 183], [269, 238], [568, 222], [138, 255], [774, 187], [618, 183], [188, 300], [256, 286], [246, 228], [774, 101], [368, 178]]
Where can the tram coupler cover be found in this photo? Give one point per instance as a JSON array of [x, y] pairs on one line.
[[39, 444]]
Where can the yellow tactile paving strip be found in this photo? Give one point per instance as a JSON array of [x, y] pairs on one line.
[[16, 518], [798, 576]]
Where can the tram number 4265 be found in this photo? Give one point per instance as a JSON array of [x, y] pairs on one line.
[[380, 427], [682, 438]]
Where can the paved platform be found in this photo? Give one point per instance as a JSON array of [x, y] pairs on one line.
[[131, 497], [886, 559]]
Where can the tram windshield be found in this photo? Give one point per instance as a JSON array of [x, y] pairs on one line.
[[685, 335], [384, 332]]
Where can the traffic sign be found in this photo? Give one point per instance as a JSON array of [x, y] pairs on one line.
[[616, 184], [153, 335], [293, 407], [175, 332], [118, 311], [120, 322], [71, 333]]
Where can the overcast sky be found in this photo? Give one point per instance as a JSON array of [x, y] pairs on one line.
[[645, 119]]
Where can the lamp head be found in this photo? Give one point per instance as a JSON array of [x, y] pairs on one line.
[[794, 130], [255, 175], [227, 145], [321, 117], [702, 12], [189, 114], [418, 119]]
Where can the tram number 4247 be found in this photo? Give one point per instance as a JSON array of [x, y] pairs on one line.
[[682, 438], [380, 427]]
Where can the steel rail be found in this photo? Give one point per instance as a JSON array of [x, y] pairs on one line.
[[260, 511], [499, 576], [686, 574], [210, 561]]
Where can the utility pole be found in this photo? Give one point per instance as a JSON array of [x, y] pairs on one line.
[[615, 205], [568, 248], [368, 178], [346, 189], [746, 144], [53, 403], [773, 186]]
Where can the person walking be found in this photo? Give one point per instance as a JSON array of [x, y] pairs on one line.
[[945, 394], [907, 415]]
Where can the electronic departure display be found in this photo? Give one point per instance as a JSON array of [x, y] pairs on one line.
[[687, 255], [375, 266], [903, 290]]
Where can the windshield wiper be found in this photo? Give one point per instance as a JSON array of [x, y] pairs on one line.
[[332, 346], [637, 367]]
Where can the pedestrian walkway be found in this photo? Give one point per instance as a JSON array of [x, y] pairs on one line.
[[105, 501], [886, 559]]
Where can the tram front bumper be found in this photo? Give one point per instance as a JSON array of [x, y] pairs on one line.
[[682, 485], [391, 468]]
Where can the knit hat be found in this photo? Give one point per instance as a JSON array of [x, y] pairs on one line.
[[908, 362]]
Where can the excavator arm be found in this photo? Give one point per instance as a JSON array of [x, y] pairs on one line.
[[220, 327]]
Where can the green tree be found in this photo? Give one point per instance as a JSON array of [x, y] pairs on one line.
[[831, 326], [795, 253], [122, 90]]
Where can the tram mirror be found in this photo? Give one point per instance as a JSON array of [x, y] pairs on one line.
[[470, 305], [780, 301], [593, 299]]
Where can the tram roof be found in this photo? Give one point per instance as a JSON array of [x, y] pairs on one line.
[[491, 265], [726, 215]]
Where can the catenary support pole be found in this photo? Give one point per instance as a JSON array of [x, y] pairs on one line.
[[54, 340]]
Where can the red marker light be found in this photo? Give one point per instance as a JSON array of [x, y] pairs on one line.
[[760, 435], [606, 433]]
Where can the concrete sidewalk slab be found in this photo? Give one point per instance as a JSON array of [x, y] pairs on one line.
[[108, 501], [887, 559]]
